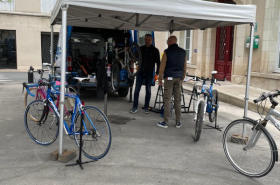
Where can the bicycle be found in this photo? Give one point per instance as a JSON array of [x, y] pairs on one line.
[[132, 63], [36, 92], [247, 143], [209, 103], [44, 127]]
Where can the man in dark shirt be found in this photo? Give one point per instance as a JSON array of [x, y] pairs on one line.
[[173, 68], [150, 57]]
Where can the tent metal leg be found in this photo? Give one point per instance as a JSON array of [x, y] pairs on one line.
[[63, 68], [249, 70], [52, 62]]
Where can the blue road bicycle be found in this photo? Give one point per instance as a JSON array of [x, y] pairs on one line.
[[205, 100], [42, 124]]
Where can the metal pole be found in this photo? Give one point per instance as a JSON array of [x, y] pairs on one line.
[[52, 69], [249, 70], [106, 95], [63, 67]]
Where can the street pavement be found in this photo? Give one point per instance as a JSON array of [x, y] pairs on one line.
[[141, 152]]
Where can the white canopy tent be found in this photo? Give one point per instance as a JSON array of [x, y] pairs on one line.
[[156, 15]]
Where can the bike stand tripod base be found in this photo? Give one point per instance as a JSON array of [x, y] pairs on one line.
[[79, 161], [215, 127]]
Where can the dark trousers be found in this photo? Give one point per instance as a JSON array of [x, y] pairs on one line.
[[148, 82]]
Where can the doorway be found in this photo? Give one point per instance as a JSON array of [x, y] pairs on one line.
[[224, 50]]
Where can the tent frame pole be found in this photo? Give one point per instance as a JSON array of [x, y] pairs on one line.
[[249, 70], [63, 68], [52, 69]]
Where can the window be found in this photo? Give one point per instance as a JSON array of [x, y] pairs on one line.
[[46, 44], [7, 5], [188, 45], [47, 6], [8, 59]]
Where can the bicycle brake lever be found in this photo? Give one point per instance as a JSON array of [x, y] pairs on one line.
[[23, 85]]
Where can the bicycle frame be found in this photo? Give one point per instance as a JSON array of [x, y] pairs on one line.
[[207, 92], [78, 106], [269, 117], [42, 91], [126, 57]]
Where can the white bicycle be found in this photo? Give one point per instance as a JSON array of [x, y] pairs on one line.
[[248, 145]]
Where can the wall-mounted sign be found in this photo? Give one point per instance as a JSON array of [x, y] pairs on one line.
[[256, 26]]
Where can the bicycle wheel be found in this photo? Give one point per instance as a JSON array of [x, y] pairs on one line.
[[96, 139], [254, 161], [194, 97], [199, 120], [41, 122], [215, 106], [115, 77], [135, 62]]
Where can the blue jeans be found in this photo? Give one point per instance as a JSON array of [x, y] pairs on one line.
[[148, 82]]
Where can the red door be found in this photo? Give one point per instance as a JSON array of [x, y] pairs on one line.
[[224, 45], [223, 58]]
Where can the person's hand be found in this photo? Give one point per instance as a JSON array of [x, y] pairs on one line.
[[160, 82], [156, 77]]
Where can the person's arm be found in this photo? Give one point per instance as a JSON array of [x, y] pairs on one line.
[[162, 68], [185, 69], [157, 60]]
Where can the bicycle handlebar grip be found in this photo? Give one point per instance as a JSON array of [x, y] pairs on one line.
[[261, 98], [27, 88]]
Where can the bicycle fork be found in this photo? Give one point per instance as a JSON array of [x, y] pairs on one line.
[[255, 137]]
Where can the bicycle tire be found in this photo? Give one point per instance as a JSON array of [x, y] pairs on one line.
[[93, 138], [44, 133], [135, 56], [115, 77], [199, 120], [194, 97], [250, 162], [214, 106]]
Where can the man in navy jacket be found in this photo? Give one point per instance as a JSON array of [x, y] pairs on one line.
[[150, 57]]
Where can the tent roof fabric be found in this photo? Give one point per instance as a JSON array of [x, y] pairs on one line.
[[156, 15]]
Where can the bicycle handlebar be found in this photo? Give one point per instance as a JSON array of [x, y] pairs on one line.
[[270, 96], [27, 88], [196, 78]]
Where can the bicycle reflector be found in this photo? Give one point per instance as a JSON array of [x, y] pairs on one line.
[[83, 103], [69, 63], [131, 66]]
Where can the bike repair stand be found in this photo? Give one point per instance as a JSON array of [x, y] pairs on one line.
[[159, 102], [79, 161], [183, 105], [217, 127]]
